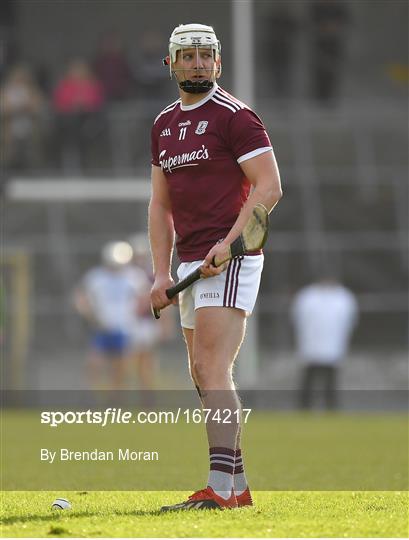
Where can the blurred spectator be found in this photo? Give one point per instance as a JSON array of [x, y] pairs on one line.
[[324, 315], [78, 91], [329, 20], [78, 101], [112, 68], [149, 70], [22, 107], [282, 33], [106, 298]]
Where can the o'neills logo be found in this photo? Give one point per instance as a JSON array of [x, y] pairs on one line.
[[209, 295], [182, 160]]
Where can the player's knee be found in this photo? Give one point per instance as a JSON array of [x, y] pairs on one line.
[[209, 372], [199, 371]]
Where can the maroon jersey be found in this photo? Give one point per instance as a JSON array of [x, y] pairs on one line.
[[199, 148]]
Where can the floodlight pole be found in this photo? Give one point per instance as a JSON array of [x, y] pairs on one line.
[[247, 372]]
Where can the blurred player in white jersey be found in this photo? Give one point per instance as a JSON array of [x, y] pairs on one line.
[[212, 162], [106, 298], [147, 333]]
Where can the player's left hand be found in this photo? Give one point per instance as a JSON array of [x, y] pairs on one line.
[[221, 251]]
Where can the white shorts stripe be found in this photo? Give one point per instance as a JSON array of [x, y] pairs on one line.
[[236, 282], [233, 283], [237, 287], [228, 281]]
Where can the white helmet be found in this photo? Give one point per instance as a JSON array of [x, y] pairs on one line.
[[193, 35], [116, 254]]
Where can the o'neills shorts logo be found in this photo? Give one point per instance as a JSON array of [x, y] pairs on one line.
[[182, 160], [208, 295]]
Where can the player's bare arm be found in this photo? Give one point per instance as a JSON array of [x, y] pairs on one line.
[[161, 235], [262, 171], [83, 305]]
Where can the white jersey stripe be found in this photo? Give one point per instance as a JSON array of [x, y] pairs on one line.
[[231, 98], [169, 108], [227, 100], [171, 105], [223, 104], [254, 153]]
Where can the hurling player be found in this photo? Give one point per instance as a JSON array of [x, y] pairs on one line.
[[212, 162]]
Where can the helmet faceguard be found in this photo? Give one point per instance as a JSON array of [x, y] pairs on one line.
[[198, 37]]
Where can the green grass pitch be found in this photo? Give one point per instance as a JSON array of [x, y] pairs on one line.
[[276, 514], [356, 465]]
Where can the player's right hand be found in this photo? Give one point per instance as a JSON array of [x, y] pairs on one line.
[[159, 300]]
